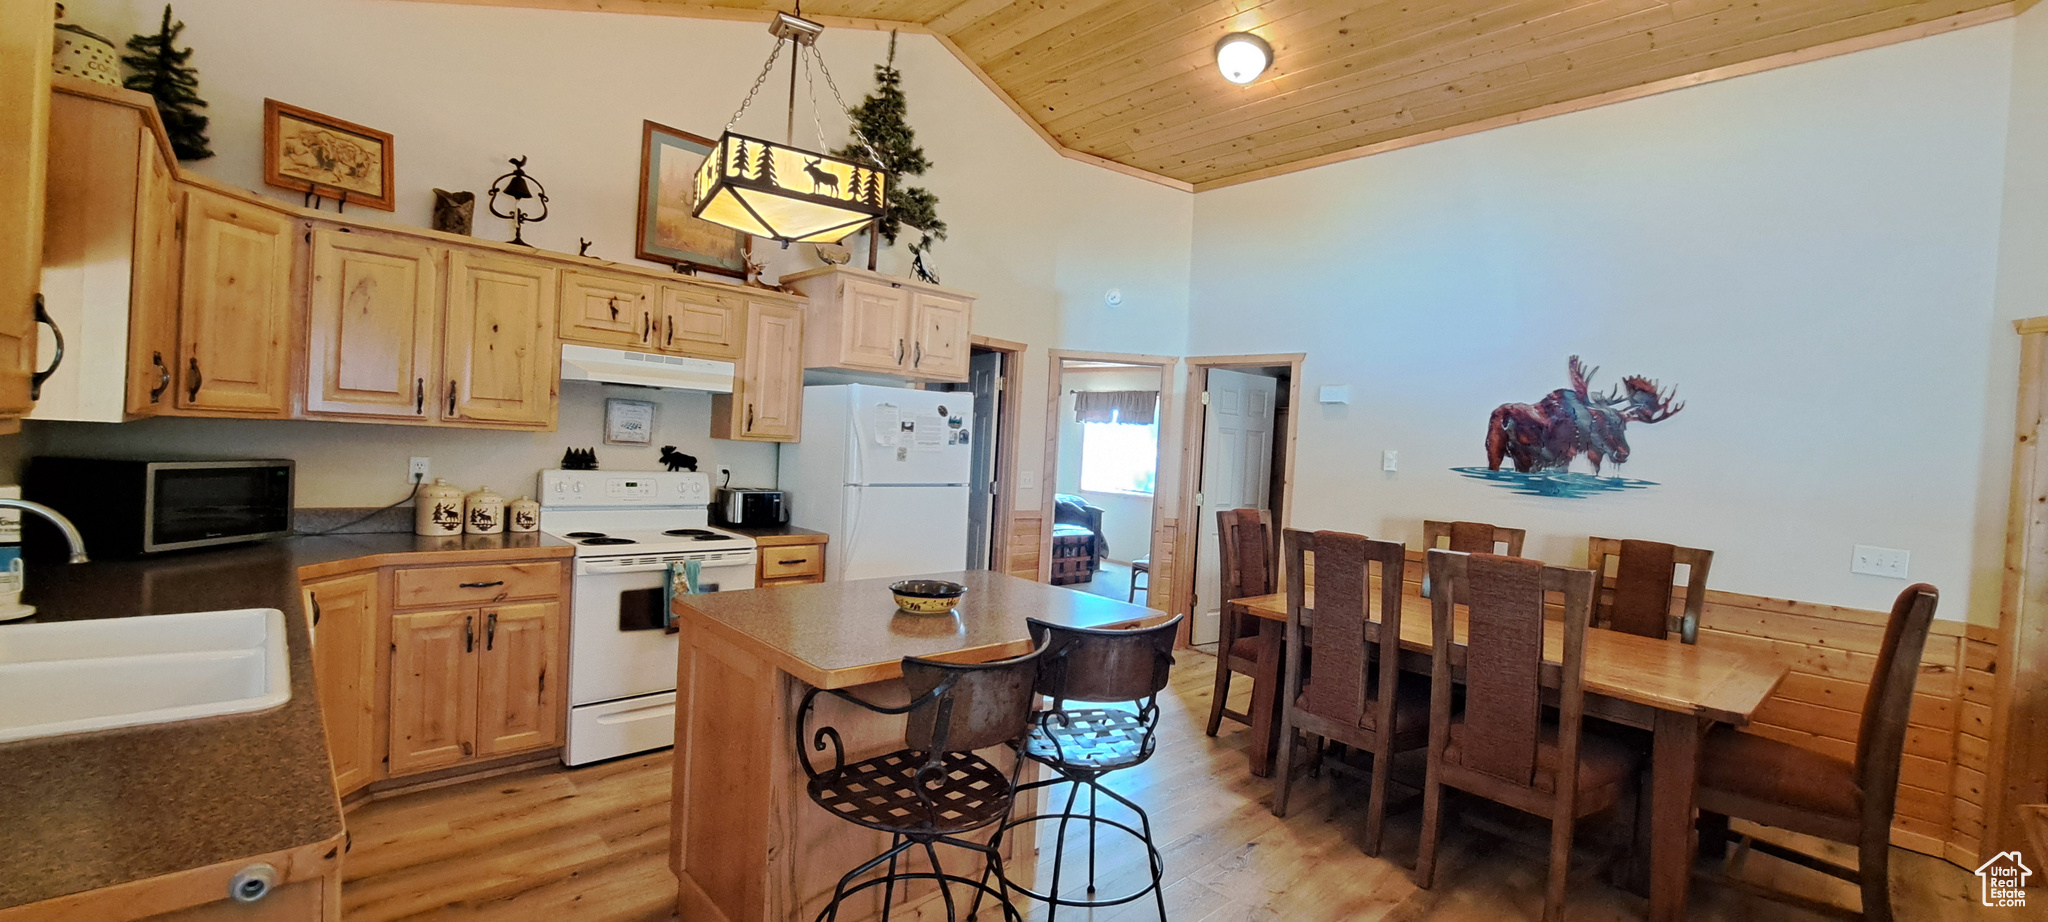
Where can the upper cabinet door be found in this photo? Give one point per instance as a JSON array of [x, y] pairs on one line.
[[700, 323], [24, 140], [234, 323], [941, 348], [153, 296], [520, 688], [771, 391], [500, 364], [874, 326], [608, 310], [370, 342]]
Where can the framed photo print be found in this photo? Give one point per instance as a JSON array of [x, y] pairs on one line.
[[668, 194], [309, 152], [628, 422]]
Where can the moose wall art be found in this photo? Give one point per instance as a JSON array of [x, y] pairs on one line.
[[1540, 441]]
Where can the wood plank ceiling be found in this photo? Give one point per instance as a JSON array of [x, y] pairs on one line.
[[1134, 82]]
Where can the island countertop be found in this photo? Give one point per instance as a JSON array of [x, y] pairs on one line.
[[841, 634]]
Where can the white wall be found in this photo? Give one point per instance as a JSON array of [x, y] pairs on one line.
[[1037, 236], [1808, 253]]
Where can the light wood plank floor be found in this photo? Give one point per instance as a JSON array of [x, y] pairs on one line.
[[592, 844]]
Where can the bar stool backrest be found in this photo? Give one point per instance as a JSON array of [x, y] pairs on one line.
[[973, 705], [1103, 664]]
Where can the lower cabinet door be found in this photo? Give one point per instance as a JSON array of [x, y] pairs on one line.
[[344, 614], [433, 688], [519, 692]]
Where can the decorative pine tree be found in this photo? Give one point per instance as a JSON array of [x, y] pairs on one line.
[[161, 71], [880, 119], [764, 167], [739, 154]]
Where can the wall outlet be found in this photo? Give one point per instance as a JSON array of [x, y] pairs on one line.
[[1390, 460], [724, 476], [418, 469], [1880, 561]]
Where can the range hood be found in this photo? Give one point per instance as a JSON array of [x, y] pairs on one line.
[[617, 366]]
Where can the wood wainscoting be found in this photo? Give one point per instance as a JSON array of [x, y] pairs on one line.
[[1023, 550]]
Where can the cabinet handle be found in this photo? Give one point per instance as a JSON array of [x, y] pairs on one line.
[[899, 351], [419, 396], [491, 631], [314, 597], [35, 381], [193, 379], [646, 325], [750, 417], [614, 305], [495, 582], [919, 360], [163, 377], [670, 336], [793, 561], [451, 396], [469, 633]]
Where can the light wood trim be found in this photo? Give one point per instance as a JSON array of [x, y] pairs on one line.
[[2018, 774], [1625, 94], [1181, 579], [1048, 483], [199, 886], [318, 571], [142, 103]]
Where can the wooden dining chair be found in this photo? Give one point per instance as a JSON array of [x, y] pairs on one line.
[[1245, 543], [1474, 537], [1645, 578], [1357, 696], [1779, 784], [1503, 748]]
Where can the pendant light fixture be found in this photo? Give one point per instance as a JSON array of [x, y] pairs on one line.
[[782, 191]]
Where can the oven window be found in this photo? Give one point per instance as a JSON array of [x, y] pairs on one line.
[[196, 504]]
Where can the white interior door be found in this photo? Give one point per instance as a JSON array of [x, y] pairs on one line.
[[1237, 457], [985, 371]]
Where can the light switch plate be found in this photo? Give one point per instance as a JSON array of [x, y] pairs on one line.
[[1334, 393], [1390, 460], [1027, 480], [1887, 562]]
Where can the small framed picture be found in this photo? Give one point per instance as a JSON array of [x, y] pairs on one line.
[[628, 422], [308, 152], [668, 231]]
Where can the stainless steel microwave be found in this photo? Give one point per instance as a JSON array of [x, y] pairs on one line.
[[128, 507]]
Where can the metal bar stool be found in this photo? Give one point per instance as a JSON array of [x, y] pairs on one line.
[[935, 789], [1102, 666]]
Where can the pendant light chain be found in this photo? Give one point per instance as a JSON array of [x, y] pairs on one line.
[[841, 102], [758, 81]]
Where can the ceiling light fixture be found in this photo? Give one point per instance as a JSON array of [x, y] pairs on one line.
[[782, 191], [1242, 57]]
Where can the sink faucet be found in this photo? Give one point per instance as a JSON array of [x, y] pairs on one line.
[[56, 518]]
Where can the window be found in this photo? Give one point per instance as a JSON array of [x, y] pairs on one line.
[[1119, 457]]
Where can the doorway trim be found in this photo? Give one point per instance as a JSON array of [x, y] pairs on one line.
[[1182, 587], [1009, 413], [1048, 482], [2019, 773]]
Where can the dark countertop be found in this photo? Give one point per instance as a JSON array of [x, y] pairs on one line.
[[778, 535], [92, 810], [838, 634]]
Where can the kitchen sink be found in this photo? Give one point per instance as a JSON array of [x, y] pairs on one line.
[[77, 676]]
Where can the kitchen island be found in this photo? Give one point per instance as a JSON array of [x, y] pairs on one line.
[[747, 843]]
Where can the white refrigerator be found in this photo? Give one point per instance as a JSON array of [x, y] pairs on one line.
[[884, 472]]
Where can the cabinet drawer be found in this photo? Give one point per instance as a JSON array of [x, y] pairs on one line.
[[476, 585], [792, 560]]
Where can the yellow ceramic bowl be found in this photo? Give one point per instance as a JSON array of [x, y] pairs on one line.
[[927, 596]]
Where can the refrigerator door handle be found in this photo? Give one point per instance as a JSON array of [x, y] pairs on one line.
[[852, 518]]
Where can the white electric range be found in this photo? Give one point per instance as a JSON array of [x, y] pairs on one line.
[[628, 526]]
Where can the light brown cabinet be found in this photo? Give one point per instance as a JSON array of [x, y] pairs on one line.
[[607, 310], [24, 140], [517, 709], [863, 321], [153, 303], [433, 689], [371, 325], [767, 401], [234, 315], [343, 611], [700, 323], [790, 564], [499, 360]]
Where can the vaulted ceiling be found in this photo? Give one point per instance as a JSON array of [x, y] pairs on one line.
[[1134, 82]]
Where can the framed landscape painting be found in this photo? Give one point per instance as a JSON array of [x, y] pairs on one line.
[[308, 152], [668, 194]]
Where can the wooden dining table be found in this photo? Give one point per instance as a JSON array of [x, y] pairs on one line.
[[1676, 691]]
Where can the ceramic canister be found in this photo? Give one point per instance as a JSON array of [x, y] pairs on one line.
[[522, 515], [484, 512], [437, 509], [80, 53]]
